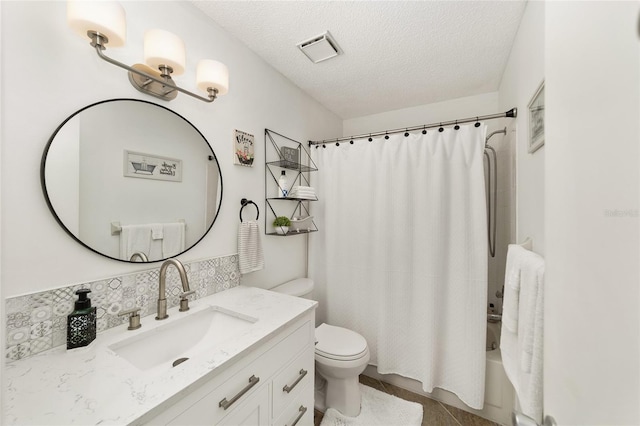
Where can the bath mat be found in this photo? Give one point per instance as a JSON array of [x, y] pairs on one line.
[[378, 409]]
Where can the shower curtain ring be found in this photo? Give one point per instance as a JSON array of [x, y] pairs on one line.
[[386, 136], [370, 138], [441, 129], [477, 123], [406, 133], [456, 127], [424, 130]]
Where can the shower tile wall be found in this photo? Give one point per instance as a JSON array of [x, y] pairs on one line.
[[505, 224], [37, 322]]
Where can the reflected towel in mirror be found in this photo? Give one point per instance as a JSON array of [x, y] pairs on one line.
[[157, 231], [134, 238], [173, 239]]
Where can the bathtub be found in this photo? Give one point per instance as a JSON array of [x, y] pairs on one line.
[[498, 394]]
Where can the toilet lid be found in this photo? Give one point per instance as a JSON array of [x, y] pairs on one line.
[[339, 343]]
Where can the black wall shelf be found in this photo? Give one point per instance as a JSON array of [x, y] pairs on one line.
[[275, 162]]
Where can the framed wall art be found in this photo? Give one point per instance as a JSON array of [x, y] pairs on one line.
[[243, 148], [290, 155], [150, 166], [536, 120]]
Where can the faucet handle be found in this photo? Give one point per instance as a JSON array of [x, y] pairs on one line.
[[184, 302], [134, 318]]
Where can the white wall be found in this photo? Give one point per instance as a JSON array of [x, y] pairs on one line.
[[424, 114], [2, 301], [522, 76], [592, 325], [36, 43]]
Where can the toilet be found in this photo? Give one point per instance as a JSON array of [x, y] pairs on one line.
[[341, 355]]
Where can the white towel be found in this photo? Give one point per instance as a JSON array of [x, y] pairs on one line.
[[515, 254], [173, 239], [521, 347], [250, 255], [157, 231], [134, 238]]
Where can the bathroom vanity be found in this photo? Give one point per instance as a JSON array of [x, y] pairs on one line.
[[250, 361]]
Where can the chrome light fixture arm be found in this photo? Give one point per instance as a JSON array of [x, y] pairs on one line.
[[160, 86]]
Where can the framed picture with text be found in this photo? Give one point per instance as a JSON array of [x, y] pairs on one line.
[[243, 152], [150, 166]]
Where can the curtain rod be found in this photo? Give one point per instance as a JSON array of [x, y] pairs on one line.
[[512, 113]]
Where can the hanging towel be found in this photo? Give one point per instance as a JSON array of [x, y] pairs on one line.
[[157, 231], [173, 239], [250, 255], [512, 288], [134, 238], [521, 347]]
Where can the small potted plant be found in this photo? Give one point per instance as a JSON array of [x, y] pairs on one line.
[[282, 223]]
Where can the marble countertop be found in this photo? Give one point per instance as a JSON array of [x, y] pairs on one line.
[[93, 385]]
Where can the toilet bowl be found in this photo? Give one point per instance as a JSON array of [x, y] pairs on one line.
[[340, 354]]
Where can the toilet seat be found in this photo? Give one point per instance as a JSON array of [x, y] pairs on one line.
[[339, 344]]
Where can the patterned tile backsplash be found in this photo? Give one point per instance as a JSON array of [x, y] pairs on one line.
[[37, 322]]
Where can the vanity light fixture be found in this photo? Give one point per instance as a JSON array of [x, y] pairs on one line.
[[164, 53]]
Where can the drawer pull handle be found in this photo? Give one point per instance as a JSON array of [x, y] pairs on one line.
[[253, 380], [288, 388], [302, 410]]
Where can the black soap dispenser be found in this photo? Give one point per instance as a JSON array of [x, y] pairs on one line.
[[81, 323]]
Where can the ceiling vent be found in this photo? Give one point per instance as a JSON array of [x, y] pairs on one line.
[[320, 48]]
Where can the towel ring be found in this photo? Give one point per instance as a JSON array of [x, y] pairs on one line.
[[244, 202]]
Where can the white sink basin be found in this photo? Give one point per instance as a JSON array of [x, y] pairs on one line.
[[186, 337]]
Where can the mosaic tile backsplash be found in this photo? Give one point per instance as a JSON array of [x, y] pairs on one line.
[[37, 322]]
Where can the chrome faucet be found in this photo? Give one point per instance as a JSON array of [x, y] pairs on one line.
[[140, 255], [162, 296]]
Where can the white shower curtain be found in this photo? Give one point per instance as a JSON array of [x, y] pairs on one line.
[[401, 256]]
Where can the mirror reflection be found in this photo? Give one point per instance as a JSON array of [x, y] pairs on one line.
[[131, 180]]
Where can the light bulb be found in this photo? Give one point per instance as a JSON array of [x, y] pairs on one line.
[[105, 17], [213, 74], [164, 48]]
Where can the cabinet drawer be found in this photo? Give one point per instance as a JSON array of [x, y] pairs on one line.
[[295, 377], [252, 412], [300, 411], [221, 401]]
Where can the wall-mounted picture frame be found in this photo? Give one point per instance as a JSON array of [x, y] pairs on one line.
[[243, 152], [290, 155], [536, 120], [151, 166]]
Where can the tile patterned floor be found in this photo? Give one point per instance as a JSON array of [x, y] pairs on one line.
[[435, 413]]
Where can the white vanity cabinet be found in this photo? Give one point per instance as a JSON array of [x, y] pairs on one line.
[[272, 384]]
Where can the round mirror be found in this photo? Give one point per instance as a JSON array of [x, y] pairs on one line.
[[131, 180]]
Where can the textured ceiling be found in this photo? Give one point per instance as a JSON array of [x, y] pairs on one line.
[[397, 54]]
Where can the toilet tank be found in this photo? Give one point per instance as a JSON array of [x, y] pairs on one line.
[[300, 287]]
